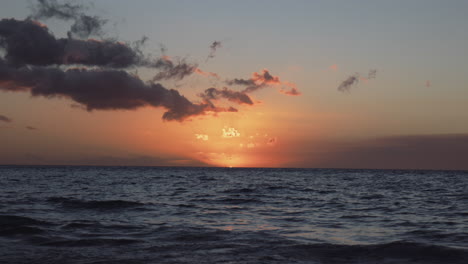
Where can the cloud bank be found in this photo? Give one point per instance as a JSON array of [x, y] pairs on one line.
[[436, 151], [100, 89], [94, 73]]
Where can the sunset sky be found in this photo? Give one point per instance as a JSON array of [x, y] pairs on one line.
[[406, 105]]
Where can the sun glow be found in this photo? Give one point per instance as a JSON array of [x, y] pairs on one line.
[[235, 140], [226, 160]]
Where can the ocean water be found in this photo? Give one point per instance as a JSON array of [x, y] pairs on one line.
[[222, 215]]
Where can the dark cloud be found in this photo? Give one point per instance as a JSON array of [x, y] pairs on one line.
[[86, 158], [256, 82], [101, 53], [33, 57], [51, 8], [99, 89], [233, 96], [30, 42], [93, 73], [264, 79], [5, 119], [27, 42], [171, 70], [293, 91], [137, 160], [410, 152], [438, 151], [84, 25], [346, 85], [213, 47], [244, 82], [353, 80], [167, 67]]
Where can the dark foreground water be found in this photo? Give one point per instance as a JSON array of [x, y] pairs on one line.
[[217, 215]]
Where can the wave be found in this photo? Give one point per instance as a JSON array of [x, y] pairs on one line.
[[437, 235], [238, 200], [11, 225], [92, 242], [194, 244], [394, 252], [255, 247], [240, 190], [19, 230], [227, 200], [98, 205], [372, 197], [95, 225], [19, 220], [355, 216]]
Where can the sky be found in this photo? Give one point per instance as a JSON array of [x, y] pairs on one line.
[[309, 84]]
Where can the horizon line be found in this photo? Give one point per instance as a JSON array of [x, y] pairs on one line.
[[226, 167]]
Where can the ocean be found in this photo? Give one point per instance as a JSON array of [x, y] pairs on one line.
[[231, 215]]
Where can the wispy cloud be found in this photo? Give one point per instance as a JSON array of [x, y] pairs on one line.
[[346, 85], [5, 119], [213, 47], [231, 95], [354, 79], [261, 80], [206, 74], [84, 25]]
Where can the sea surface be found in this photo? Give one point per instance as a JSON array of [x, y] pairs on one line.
[[229, 215]]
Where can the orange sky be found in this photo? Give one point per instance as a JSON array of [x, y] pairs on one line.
[[411, 114]]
